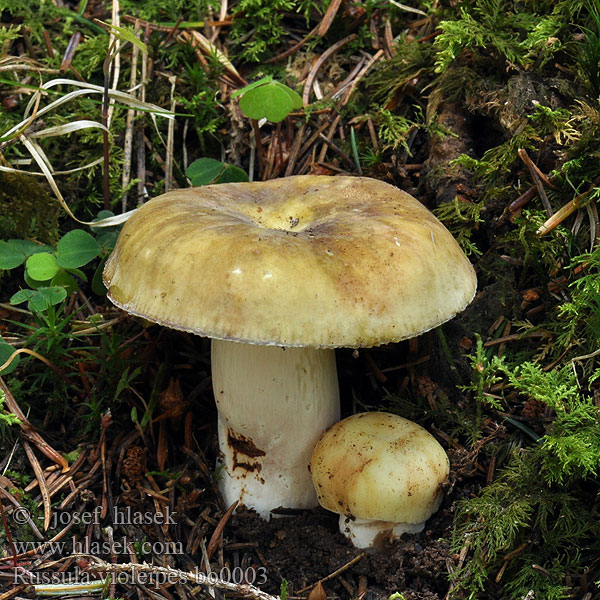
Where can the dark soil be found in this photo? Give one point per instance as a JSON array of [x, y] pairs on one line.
[[307, 548]]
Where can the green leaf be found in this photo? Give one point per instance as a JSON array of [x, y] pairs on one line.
[[232, 174], [42, 266], [251, 86], [103, 214], [5, 352], [295, 97], [106, 236], [21, 296], [204, 171], [107, 239], [54, 294], [98, 286], [271, 101], [10, 256], [77, 273], [127, 35], [45, 297], [28, 248], [76, 248], [40, 300], [14, 252], [64, 280], [34, 283]]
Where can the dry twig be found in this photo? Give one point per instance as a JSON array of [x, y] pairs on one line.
[[185, 577]]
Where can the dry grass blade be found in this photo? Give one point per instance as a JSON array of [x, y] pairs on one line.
[[293, 49], [122, 97], [39, 475], [128, 143], [32, 113], [319, 63], [363, 72], [70, 589], [13, 63], [170, 139], [116, 59], [195, 38], [410, 9], [24, 124], [88, 88], [67, 128], [536, 175], [39, 159], [337, 149], [38, 173]]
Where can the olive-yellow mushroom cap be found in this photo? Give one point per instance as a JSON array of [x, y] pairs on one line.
[[299, 261], [381, 472]]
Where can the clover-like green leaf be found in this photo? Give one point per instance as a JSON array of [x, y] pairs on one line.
[[6, 351], [45, 297], [21, 296], [205, 171], [41, 299], [42, 266], [64, 280], [251, 86], [268, 99], [10, 256], [232, 174], [14, 252], [76, 248]]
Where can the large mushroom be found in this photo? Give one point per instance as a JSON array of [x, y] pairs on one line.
[[279, 273]]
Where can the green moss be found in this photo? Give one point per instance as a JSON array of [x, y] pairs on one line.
[[508, 32], [462, 219], [28, 211], [258, 27], [534, 512]]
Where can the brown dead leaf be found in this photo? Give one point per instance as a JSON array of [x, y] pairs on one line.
[[172, 402], [318, 592]]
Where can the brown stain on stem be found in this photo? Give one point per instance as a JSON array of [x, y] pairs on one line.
[[242, 445]]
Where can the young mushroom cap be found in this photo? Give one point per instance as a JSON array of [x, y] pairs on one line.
[[304, 264], [382, 473]]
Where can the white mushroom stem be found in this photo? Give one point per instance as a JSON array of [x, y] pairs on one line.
[[274, 403], [365, 533]]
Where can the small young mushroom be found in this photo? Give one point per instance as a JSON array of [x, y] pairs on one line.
[[279, 273], [382, 473]]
